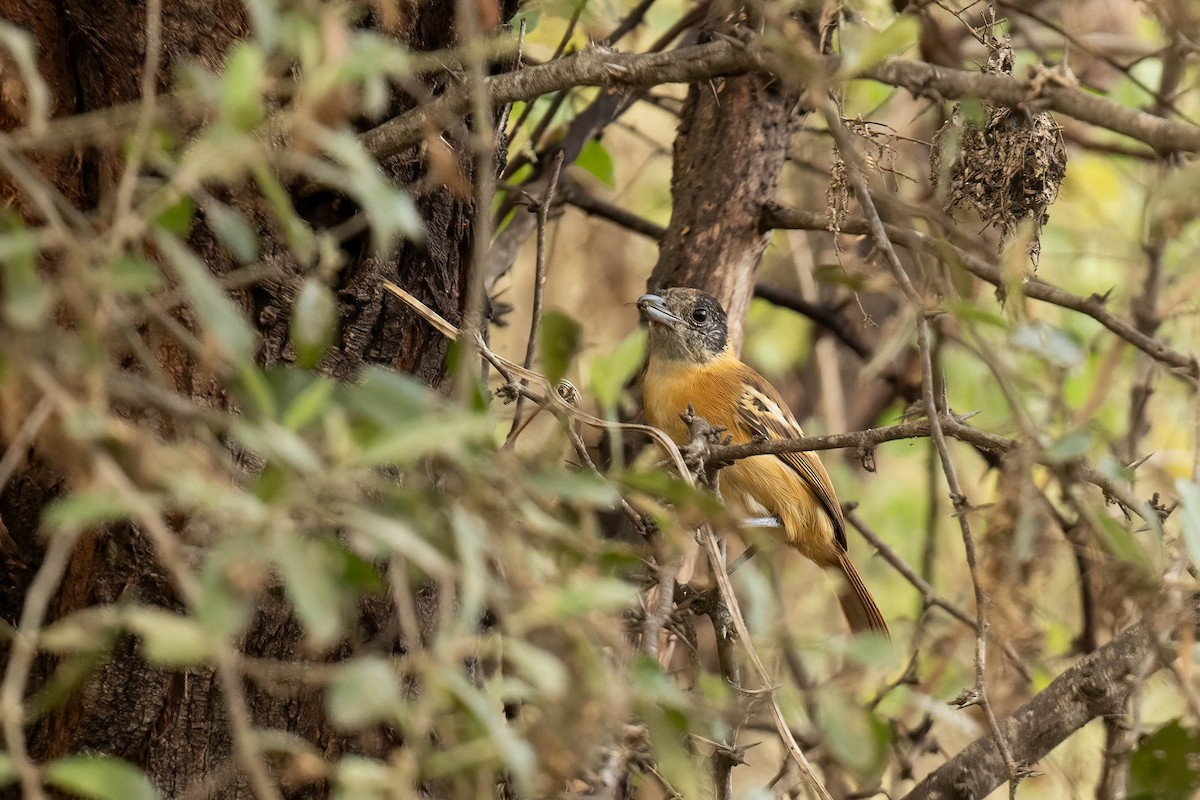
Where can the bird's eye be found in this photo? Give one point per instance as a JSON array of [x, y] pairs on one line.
[[699, 315]]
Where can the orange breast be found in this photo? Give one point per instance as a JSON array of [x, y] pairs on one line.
[[753, 485], [712, 389]]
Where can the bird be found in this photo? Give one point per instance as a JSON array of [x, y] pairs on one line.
[[691, 364]]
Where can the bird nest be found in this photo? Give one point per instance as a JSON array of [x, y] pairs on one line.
[[1005, 164]]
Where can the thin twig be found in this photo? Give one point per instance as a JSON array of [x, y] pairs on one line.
[[1094, 306], [539, 283], [978, 694], [21, 655], [594, 206], [768, 691], [23, 438], [929, 595], [545, 392]]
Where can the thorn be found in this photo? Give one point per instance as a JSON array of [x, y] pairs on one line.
[[966, 699], [734, 756], [1135, 464]]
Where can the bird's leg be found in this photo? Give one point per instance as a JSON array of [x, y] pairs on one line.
[[746, 555], [696, 452], [760, 522]]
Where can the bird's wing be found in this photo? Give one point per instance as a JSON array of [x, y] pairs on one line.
[[762, 414]]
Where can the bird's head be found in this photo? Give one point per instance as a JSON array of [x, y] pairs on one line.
[[685, 325]]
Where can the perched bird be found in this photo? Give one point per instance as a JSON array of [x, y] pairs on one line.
[[691, 363]]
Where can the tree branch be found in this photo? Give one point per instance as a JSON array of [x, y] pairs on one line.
[[1093, 306], [597, 65], [930, 80], [575, 195], [1095, 686], [601, 66]]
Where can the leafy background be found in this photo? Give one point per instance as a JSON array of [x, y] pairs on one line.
[[514, 607]]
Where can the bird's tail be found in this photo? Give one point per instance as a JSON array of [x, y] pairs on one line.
[[857, 604]]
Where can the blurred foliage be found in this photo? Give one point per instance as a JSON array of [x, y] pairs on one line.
[[281, 480]]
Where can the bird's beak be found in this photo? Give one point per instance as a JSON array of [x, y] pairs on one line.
[[654, 310]]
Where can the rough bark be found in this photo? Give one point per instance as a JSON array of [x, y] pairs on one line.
[[732, 143], [173, 725]]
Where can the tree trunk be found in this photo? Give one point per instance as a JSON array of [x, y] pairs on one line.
[[173, 724], [732, 143]]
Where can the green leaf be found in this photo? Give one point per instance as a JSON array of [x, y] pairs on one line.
[[1189, 519], [654, 686], [362, 779], [871, 650], [362, 692], [313, 323], [8, 773], [264, 21], [1073, 446], [1113, 468], [255, 392], [856, 737], [393, 536], [595, 159], [971, 312], [310, 572], [241, 86], [170, 639], [308, 406], [972, 110], [130, 274], [224, 322], [1164, 766], [1125, 546], [218, 609], [445, 433], [176, 218], [558, 344], [357, 572], [86, 630], [539, 668], [83, 509], [389, 397], [516, 753], [611, 372], [391, 210], [470, 543], [299, 236], [665, 486], [597, 594], [233, 230], [100, 777], [863, 48], [660, 705], [272, 481], [531, 16], [586, 488], [1049, 342], [26, 299]]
